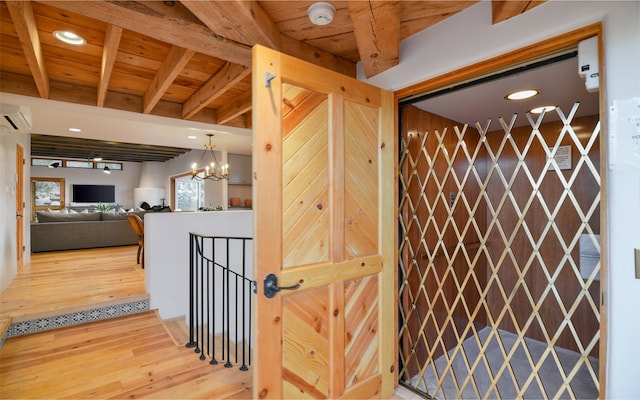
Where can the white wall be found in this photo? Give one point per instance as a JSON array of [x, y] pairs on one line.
[[167, 252], [152, 174], [151, 188], [469, 37], [125, 181], [8, 250]]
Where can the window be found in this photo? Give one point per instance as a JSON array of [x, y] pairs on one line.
[[46, 194], [112, 166], [64, 163], [189, 194], [46, 162], [78, 164]]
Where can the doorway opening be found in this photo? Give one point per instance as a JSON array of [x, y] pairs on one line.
[[499, 250], [20, 206]]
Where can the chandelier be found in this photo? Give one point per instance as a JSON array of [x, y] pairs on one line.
[[212, 170]]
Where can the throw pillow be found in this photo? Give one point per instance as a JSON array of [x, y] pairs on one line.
[[110, 216], [44, 216]]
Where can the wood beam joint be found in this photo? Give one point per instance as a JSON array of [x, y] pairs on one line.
[[376, 26]]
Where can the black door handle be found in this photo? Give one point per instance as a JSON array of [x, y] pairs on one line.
[[271, 286]]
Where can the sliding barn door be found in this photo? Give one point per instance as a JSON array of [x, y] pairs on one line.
[[324, 194]]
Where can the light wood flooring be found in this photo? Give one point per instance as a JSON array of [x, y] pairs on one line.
[[136, 356], [66, 280]]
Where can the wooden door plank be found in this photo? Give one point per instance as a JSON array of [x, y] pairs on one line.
[[326, 333], [387, 237], [267, 155]]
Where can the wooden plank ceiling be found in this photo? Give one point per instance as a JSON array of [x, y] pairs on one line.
[[192, 59]]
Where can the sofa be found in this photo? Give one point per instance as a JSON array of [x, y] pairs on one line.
[[70, 231]]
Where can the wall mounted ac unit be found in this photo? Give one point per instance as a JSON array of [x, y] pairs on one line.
[[15, 118], [588, 63]]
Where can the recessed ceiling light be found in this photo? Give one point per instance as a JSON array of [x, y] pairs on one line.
[[192, 137], [538, 110], [75, 130], [70, 38], [522, 94]]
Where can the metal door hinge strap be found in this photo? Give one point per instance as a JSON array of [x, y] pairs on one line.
[[268, 77]]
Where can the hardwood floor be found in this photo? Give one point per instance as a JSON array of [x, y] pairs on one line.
[[136, 356], [66, 280], [127, 357]]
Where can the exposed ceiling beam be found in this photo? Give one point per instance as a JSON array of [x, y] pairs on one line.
[[317, 56], [109, 52], [47, 146], [237, 107], [502, 10], [227, 77], [24, 22], [70, 93], [136, 17], [376, 25], [175, 61], [239, 20], [246, 22]]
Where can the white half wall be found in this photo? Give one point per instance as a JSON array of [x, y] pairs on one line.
[[167, 252], [469, 37]]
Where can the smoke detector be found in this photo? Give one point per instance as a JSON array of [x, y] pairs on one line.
[[321, 13]]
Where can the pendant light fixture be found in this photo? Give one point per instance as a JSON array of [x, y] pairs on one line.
[[212, 169]]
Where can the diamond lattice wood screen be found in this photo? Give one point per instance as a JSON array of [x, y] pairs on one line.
[[500, 256]]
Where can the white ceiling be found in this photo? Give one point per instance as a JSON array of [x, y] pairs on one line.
[[55, 118], [559, 82]]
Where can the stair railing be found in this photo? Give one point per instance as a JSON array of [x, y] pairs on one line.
[[221, 298]]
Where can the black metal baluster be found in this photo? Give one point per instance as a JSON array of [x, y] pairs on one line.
[[244, 295], [192, 238], [208, 295], [228, 333], [251, 283], [213, 303], [195, 295], [202, 299], [203, 266], [235, 310]]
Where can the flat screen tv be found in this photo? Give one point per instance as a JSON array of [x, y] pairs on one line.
[[94, 193]]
